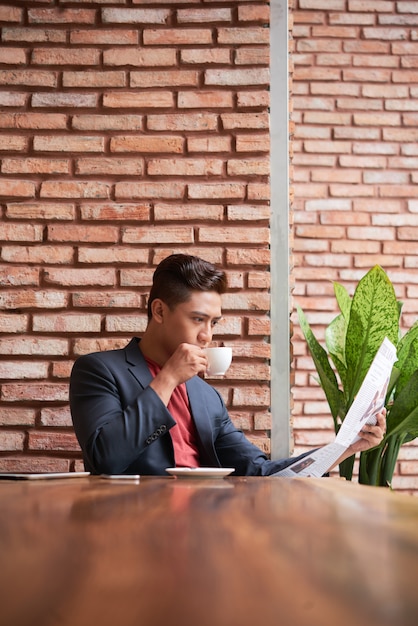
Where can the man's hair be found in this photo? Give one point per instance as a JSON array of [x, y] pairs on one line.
[[179, 274]]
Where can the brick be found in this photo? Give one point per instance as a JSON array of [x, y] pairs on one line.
[[136, 277], [158, 234], [34, 35], [174, 36], [13, 323], [233, 235], [140, 57], [126, 323], [107, 122], [146, 190], [242, 36], [183, 122], [103, 36], [258, 191], [34, 465], [107, 300], [33, 346], [251, 396], [252, 212], [248, 167], [71, 323], [35, 211], [248, 301], [42, 392], [38, 254], [329, 5], [201, 16], [38, 299], [61, 16], [17, 188], [388, 34], [253, 99], [70, 143], [65, 56], [17, 416], [210, 144], [82, 233], [12, 56], [224, 77], [75, 189], [59, 441], [317, 73], [374, 119], [61, 369], [245, 120], [216, 190], [12, 99], [140, 100], [205, 99], [11, 441], [10, 231], [205, 56], [29, 78], [56, 416], [113, 211], [35, 166], [77, 276], [378, 6], [252, 143], [168, 78], [112, 255], [94, 79], [188, 212], [184, 167], [254, 13], [135, 16], [23, 369], [147, 143], [11, 14], [109, 166], [78, 100], [360, 103]]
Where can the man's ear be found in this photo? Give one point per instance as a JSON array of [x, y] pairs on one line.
[[157, 309]]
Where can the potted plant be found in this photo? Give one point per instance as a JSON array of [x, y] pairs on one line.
[[351, 342]]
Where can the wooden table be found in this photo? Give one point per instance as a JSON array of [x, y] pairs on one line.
[[207, 552]]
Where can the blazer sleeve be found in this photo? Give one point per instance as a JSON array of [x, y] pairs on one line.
[[115, 418], [232, 447]]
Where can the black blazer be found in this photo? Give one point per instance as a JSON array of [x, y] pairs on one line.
[[123, 426]]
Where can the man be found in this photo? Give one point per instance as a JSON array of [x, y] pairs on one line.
[[144, 408]]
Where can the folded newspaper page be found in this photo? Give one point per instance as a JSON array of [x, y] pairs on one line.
[[369, 401]]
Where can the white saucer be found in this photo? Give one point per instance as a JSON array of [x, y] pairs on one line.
[[200, 472]]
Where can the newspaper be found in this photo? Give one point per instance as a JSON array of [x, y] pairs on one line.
[[369, 401]]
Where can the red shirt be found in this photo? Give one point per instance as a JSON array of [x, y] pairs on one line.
[[184, 433]]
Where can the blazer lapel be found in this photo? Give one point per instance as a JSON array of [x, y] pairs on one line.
[[136, 363]]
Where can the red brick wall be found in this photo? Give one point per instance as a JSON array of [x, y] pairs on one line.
[[355, 103], [129, 130]]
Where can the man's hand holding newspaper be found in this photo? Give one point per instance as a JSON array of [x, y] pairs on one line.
[[364, 425]]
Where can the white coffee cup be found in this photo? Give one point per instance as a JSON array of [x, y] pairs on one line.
[[219, 359]]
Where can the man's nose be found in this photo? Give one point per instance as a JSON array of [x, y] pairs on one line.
[[206, 333]]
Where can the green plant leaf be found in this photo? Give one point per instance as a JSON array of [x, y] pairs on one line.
[[335, 338], [325, 372], [403, 413], [343, 300], [374, 315], [407, 354]]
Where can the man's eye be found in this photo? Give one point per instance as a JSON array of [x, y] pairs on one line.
[[215, 322]]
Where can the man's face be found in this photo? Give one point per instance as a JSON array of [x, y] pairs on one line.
[[192, 321]]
